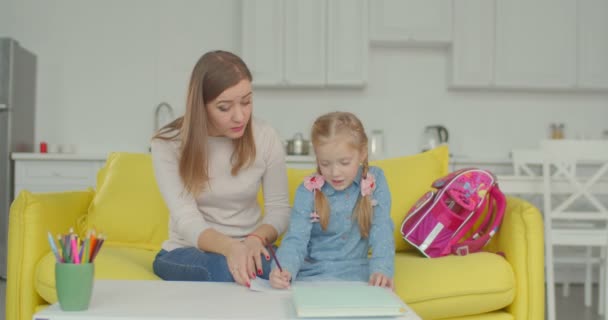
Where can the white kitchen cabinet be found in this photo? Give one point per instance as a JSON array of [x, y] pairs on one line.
[[55, 172], [347, 43], [521, 44], [593, 44], [262, 37], [411, 22], [305, 42], [472, 64], [315, 43], [536, 43]]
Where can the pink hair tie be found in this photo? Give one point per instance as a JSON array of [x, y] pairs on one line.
[[314, 182], [368, 184]]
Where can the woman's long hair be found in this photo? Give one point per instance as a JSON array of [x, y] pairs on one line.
[[214, 72], [343, 125]]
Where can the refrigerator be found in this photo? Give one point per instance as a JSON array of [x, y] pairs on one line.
[[17, 115]]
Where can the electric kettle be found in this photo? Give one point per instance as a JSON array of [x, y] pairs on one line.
[[433, 136]]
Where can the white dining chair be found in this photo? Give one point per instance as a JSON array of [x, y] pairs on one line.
[[528, 163], [573, 212], [524, 161]]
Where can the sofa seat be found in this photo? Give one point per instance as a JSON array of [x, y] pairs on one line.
[[114, 263], [454, 285], [497, 315]]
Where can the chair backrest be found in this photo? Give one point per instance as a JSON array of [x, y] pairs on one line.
[[575, 178], [524, 160]]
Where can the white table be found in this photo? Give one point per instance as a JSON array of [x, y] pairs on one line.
[[164, 300]]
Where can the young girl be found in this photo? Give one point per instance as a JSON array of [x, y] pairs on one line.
[[339, 214]]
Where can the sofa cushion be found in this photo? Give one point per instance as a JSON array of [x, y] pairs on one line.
[[454, 286], [128, 207], [408, 179], [111, 263]]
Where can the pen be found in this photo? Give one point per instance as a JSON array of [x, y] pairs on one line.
[[274, 256]]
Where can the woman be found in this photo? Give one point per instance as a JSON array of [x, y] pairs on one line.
[[209, 165]]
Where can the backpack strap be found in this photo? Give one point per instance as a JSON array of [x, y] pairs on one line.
[[486, 219], [480, 239]]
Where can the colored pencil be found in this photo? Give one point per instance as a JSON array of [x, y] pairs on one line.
[[63, 250], [274, 256], [100, 241], [53, 246], [76, 258]]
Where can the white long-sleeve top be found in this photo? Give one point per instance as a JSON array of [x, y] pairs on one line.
[[229, 203]]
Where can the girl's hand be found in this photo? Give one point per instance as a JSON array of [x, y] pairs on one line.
[[380, 280], [280, 279]]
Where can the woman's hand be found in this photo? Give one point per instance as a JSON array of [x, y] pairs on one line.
[[380, 280], [257, 249], [244, 259], [280, 279], [237, 262]]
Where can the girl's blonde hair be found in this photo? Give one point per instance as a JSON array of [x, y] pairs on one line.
[[347, 125], [214, 72]]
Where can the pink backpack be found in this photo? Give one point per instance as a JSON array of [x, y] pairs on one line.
[[441, 219]]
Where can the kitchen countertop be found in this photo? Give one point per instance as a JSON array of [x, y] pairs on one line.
[[292, 159], [300, 159], [58, 156], [102, 157], [481, 160]]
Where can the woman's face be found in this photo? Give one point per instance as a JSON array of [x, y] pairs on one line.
[[230, 112]]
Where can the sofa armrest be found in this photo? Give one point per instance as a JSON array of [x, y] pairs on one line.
[[31, 217], [521, 239]]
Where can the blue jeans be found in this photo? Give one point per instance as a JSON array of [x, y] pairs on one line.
[[192, 264]]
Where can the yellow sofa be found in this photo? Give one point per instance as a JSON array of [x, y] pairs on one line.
[[128, 208]]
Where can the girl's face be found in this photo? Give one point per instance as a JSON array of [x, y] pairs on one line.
[[339, 162], [230, 112]]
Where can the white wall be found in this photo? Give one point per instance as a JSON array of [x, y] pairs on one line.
[[4, 18], [99, 61], [105, 65]]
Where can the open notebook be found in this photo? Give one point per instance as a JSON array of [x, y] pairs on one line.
[[346, 299]]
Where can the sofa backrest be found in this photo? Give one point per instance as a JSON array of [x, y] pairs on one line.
[[128, 207], [408, 179]]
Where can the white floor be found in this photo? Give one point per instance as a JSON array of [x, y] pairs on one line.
[[568, 308], [573, 306]]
